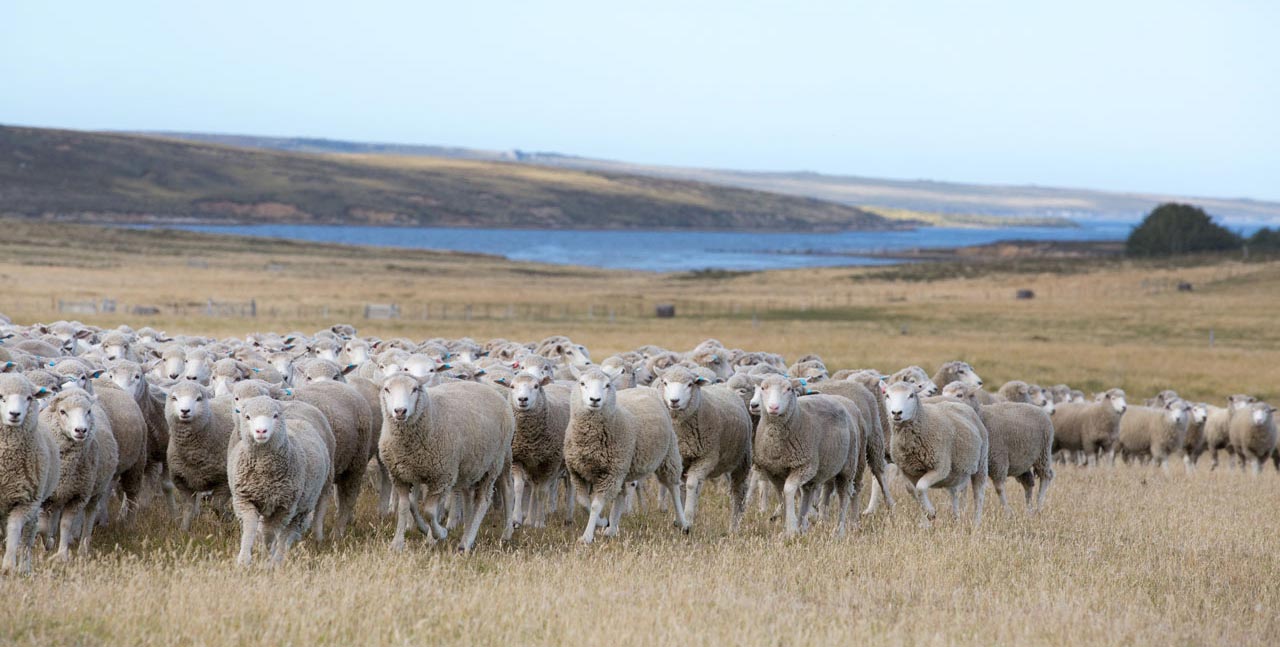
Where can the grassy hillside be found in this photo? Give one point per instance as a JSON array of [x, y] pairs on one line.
[[942, 203], [114, 178]]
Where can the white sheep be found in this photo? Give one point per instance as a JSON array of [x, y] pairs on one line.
[[1020, 443], [1153, 432], [29, 468], [1089, 428], [615, 438], [1253, 434], [278, 472], [455, 436], [714, 433], [942, 445], [916, 376]]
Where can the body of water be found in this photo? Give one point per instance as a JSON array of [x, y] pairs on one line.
[[669, 251]]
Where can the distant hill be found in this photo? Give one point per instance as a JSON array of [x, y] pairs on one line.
[[916, 195], [107, 177]]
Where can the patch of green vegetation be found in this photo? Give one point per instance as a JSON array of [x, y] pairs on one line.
[[711, 274]]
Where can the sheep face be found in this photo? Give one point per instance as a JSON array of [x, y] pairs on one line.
[[915, 376], [187, 400], [424, 367], [261, 417], [536, 365], [400, 397], [1199, 413], [18, 399], [596, 389], [116, 350], [779, 394], [126, 375], [199, 367], [526, 392], [679, 386], [325, 349], [1260, 413], [901, 401], [1240, 402], [357, 351], [756, 402], [1116, 398], [1176, 411], [966, 375], [74, 411], [576, 355]]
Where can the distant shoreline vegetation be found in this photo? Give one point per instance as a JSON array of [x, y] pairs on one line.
[[1174, 229]]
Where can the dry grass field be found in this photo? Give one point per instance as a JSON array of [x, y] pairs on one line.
[[1121, 556]]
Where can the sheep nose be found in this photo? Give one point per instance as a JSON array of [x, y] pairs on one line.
[[523, 399], [81, 430], [595, 400], [191, 377], [13, 415], [980, 382], [675, 401], [173, 376], [184, 412], [400, 411]]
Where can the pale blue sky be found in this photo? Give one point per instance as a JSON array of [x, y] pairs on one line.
[[1162, 96]]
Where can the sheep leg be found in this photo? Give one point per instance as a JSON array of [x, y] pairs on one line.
[[954, 492], [739, 482], [979, 484], [524, 500], [321, 509], [998, 484], [66, 528], [922, 491], [615, 517], [789, 491], [192, 512], [509, 503], [431, 503], [47, 522], [1028, 482], [13, 537], [692, 487], [596, 506], [879, 489], [403, 494], [1256, 462], [250, 521], [386, 489], [166, 485]]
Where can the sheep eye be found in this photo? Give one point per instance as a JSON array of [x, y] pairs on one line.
[[275, 416], [200, 398], [62, 413]]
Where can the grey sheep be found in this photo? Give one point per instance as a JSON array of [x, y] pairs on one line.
[[808, 447], [1089, 428], [872, 423], [130, 377], [1194, 444], [541, 411], [87, 455], [714, 433], [1020, 439], [200, 431], [452, 437], [278, 473], [942, 445], [29, 468], [615, 438]]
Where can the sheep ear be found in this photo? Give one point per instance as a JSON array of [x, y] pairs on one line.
[[701, 381], [83, 334], [546, 379], [41, 392], [346, 370], [444, 367], [501, 380], [96, 374], [7, 367], [480, 372]]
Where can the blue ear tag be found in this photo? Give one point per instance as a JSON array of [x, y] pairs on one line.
[[53, 363], [256, 370], [288, 392]]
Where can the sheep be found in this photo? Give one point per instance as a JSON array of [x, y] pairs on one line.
[[129, 377], [1162, 398], [872, 424], [351, 421], [1253, 434], [29, 468], [129, 428], [1156, 432], [541, 412], [455, 436], [615, 438], [87, 454], [1089, 427], [1012, 391], [1194, 444], [1020, 444], [713, 358], [810, 371], [200, 430], [1217, 430], [942, 445], [713, 430], [808, 446], [199, 366], [620, 369], [278, 474], [119, 346], [916, 375]]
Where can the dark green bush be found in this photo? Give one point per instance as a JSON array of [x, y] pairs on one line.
[[1174, 228]]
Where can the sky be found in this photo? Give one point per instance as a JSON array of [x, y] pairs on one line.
[[1163, 96]]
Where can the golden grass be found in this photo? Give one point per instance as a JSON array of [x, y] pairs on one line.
[[1121, 555]]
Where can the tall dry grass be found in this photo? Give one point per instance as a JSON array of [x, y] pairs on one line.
[[1120, 556]]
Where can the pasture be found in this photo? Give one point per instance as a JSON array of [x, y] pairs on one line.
[[1121, 555]]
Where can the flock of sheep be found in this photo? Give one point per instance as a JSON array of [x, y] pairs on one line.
[[274, 428]]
